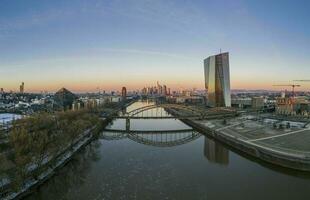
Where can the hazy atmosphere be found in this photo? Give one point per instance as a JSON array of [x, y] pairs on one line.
[[154, 99], [86, 45]]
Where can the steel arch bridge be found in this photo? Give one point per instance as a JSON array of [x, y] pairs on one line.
[[163, 139], [187, 112], [178, 111]]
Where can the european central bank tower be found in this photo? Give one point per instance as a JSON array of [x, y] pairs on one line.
[[217, 80]]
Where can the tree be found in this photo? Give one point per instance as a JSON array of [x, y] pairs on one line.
[[42, 137], [21, 143]]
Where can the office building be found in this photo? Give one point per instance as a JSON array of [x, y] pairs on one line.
[[64, 98], [124, 93], [164, 90], [22, 88], [258, 102], [217, 80]]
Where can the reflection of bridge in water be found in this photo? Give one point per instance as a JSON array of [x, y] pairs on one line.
[[167, 138], [213, 151]]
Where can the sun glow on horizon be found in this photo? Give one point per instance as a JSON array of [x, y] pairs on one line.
[[135, 44]]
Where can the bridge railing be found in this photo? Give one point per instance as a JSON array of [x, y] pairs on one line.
[[180, 112], [191, 110]]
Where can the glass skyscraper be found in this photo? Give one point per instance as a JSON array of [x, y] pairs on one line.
[[217, 80]]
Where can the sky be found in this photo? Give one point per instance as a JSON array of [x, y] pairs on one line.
[[91, 45]]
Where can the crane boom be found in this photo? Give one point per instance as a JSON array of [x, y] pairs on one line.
[[290, 85]]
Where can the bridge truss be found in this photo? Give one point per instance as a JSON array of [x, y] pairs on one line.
[[156, 138], [179, 112]]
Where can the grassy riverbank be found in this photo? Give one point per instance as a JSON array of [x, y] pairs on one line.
[[40, 142]]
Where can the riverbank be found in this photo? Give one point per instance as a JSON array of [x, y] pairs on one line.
[[59, 161], [258, 148], [282, 143], [117, 167]]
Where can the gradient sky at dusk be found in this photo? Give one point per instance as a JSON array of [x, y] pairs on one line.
[[84, 44]]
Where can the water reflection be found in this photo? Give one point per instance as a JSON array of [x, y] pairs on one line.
[[216, 152], [73, 174], [163, 139], [117, 166], [122, 169]]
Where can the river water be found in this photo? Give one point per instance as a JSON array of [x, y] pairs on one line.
[[183, 165]]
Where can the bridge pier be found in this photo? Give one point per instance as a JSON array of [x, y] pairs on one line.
[[128, 124]]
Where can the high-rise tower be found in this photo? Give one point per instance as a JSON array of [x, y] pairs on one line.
[[124, 93], [217, 80], [22, 88]]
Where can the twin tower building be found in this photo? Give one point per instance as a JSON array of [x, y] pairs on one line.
[[217, 80]]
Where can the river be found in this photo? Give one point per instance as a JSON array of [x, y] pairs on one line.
[[183, 165]]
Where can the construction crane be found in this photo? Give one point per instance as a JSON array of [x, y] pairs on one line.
[[301, 80], [290, 85]]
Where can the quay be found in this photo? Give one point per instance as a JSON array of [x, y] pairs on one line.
[[288, 147], [281, 142], [277, 141]]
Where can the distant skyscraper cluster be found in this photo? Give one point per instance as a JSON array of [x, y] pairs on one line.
[[160, 90], [21, 89], [217, 80]]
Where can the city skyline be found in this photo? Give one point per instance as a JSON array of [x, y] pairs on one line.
[[107, 45], [154, 99]]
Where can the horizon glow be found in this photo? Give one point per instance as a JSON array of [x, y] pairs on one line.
[[90, 45]]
